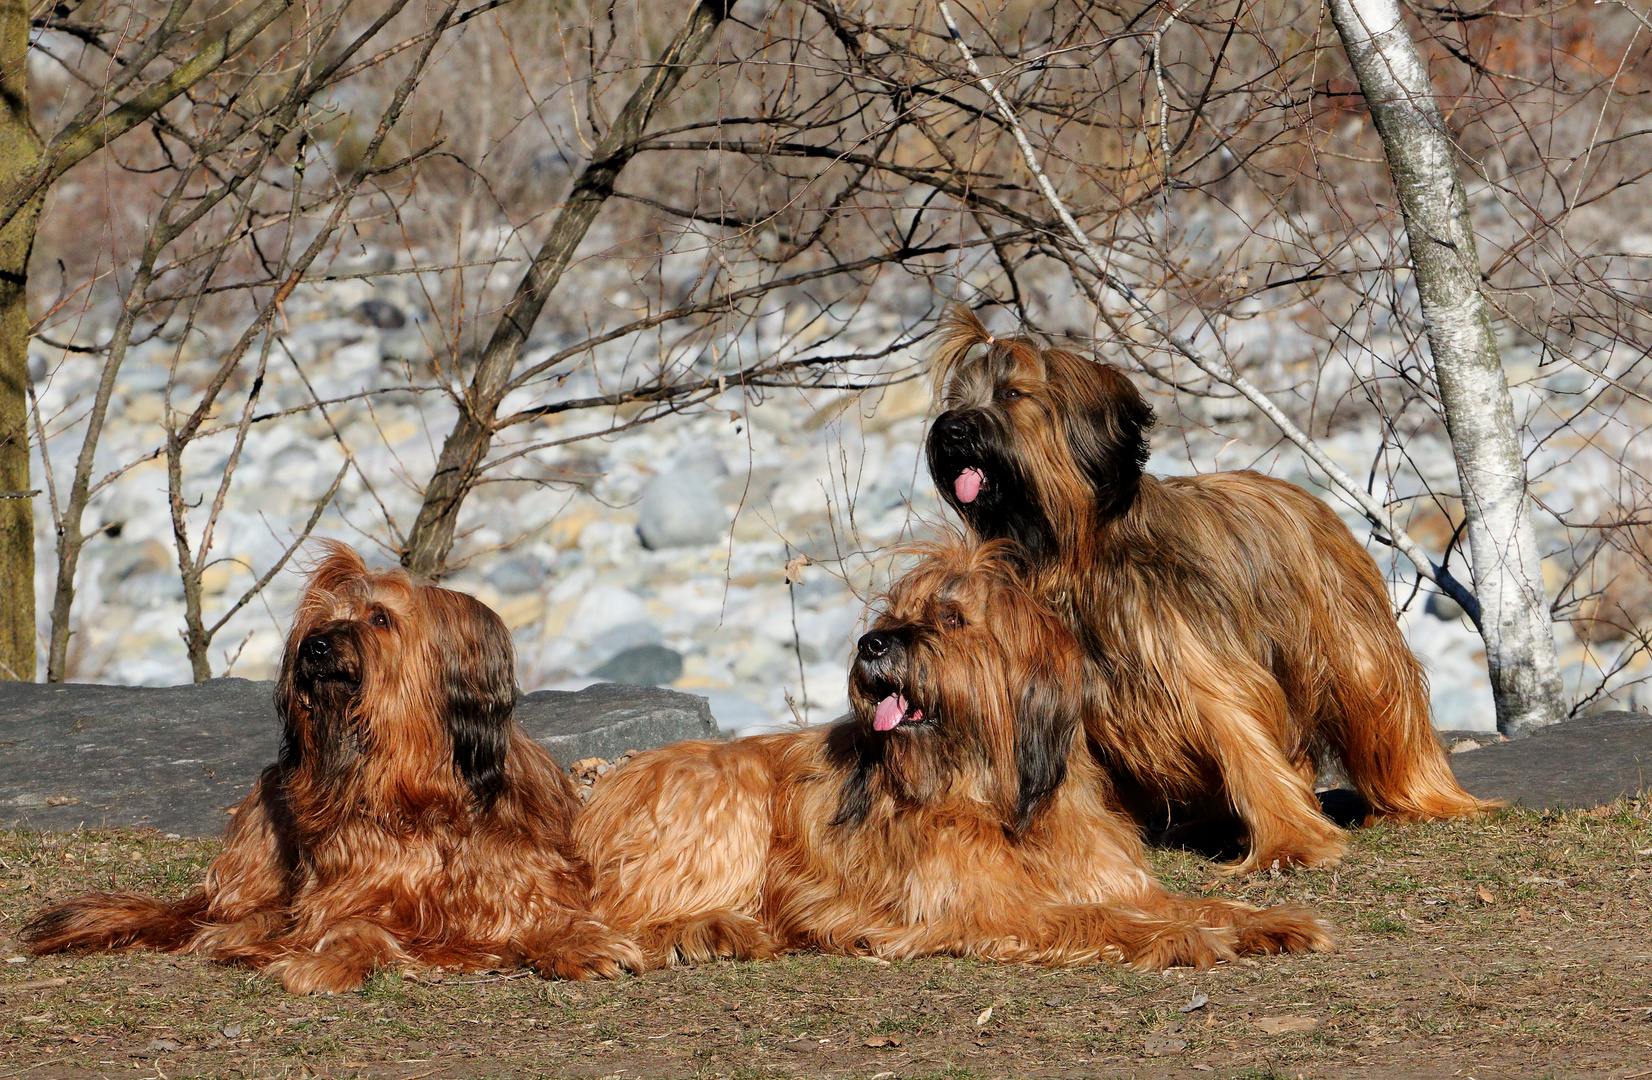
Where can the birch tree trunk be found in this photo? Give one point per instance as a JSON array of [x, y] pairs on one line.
[[1474, 391]]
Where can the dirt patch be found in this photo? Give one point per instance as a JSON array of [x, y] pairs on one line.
[[1520, 946]]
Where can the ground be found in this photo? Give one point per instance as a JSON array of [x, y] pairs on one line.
[[1518, 946]]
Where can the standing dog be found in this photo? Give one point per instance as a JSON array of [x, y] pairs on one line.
[[956, 811], [408, 819], [1235, 629]]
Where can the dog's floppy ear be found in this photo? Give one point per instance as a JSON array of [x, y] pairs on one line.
[[478, 673], [1047, 720], [1108, 422]]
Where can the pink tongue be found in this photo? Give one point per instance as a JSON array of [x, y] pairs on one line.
[[968, 484], [890, 712]]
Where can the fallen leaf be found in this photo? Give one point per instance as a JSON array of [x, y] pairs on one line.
[[986, 1015], [880, 961], [1644, 851], [161, 1046], [1486, 895], [17, 959], [883, 1040], [1282, 1025], [1199, 1001]]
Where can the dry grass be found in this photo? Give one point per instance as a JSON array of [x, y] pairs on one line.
[[1517, 946]]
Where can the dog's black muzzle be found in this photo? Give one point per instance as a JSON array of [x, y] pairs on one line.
[[330, 655]]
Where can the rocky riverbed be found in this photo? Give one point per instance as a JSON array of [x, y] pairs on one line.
[[658, 554]]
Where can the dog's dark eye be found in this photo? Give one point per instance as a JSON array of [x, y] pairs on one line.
[[952, 620], [1010, 393], [379, 618]]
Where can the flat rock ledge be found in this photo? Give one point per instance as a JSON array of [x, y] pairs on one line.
[[1584, 762], [176, 758]]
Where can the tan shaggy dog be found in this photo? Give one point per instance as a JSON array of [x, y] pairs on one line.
[[408, 820], [1236, 632], [955, 812]]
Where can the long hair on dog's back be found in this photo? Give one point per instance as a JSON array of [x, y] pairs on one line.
[[1235, 630], [407, 820], [955, 811]]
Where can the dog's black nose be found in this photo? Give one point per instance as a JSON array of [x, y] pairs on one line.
[[875, 645], [315, 648], [954, 429]]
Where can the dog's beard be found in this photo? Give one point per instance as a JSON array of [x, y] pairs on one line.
[[334, 728], [993, 495]]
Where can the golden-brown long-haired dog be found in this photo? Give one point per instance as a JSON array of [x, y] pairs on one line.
[[407, 821], [955, 811], [1235, 630]]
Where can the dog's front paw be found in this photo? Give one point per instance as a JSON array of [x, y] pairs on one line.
[[588, 950], [1288, 928], [1185, 944], [317, 973]]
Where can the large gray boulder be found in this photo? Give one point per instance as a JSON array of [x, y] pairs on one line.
[[176, 758], [1584, 762], [682, 507]]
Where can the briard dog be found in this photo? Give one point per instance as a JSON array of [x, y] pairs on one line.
[[1235, 631], [408, 820], [956, 811]]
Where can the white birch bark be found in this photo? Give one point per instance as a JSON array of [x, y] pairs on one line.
[[1474, 391]]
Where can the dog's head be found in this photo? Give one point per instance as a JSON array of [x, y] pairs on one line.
[[1035, 445], [414, 682], [965, 681]]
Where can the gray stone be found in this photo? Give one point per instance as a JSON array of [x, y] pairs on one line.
[[1442, 607], [1584, 762], [642, 665], [176, 758], [519, 574], [376, 311], [173, 758], [626, 635], [608, 719], [681, 507]]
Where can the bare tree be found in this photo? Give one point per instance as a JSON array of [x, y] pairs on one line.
[[152, 69], [19, 150], [641, 222], [459, 466], [1474, 392]]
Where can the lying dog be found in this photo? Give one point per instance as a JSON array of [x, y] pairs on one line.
[[956, 811], [407, 821]]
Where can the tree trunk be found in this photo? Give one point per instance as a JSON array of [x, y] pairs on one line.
[[1474, 391], [467, 445], [19, 155]]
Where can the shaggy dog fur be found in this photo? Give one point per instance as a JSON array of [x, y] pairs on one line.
[[955, 812], [408, 820], [1236, 633]]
